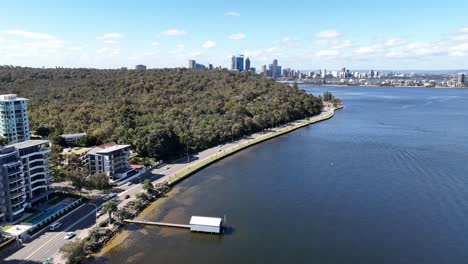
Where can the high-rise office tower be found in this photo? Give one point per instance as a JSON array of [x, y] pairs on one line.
[[192, 64], [233, 62], [247, 64], [14, 121], [240, 63], [461, 78]]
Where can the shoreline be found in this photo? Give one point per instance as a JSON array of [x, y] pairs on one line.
[[179, 176], [185, 173]]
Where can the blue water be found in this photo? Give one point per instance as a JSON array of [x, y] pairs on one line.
[[384, 181], [50, 212]]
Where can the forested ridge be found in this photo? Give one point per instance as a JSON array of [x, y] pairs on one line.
[[157, 111]]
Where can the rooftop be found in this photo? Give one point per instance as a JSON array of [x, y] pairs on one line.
[[28, 143], [75, 151], [74, 135], [106, 149], [206, 221], [17, 230], [11, 97]]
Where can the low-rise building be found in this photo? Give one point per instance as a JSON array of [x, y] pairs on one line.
[[110, 159], [81, 153], [72, 138]]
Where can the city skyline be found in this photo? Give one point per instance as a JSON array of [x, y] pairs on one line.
[[360, 35]]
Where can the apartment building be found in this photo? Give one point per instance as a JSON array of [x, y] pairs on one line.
[[110, 159], [14, 122], [25, 177]]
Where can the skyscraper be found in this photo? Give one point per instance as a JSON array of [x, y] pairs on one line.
[[461, 78], [233, 62], [14, 121], [192, 64], [240, 63], [247, 64], [237, 62]]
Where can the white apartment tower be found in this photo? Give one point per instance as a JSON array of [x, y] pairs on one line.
[[14, 122]]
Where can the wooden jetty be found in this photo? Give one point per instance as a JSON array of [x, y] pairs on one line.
[[141, 222]]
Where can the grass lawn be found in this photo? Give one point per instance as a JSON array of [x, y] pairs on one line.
[[5, 228]]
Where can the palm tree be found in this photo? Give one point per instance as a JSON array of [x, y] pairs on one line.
[[148, 186], [109, 207]]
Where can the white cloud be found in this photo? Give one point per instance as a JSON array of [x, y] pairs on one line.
[[464, 30], [111, 41], [174, 32], [394, 42], [209, 44], [330, 33], [109, 51], [367, 50], [232, 13], [460, 37], [461, 47], [341, 45], [237, 36], [38, 40], [327, 53], [155, 44], [110, 36]]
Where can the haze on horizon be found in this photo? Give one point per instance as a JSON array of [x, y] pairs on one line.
[[399, 35]]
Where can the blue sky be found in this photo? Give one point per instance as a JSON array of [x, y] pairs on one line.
[[398, 35]]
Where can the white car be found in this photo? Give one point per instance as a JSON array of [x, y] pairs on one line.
[[69, 235], [99, 213], [128, 183]]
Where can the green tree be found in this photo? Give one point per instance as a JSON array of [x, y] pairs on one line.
[[109, 207], [73, 252], [328, 96], [148, 186], [98, 181], [43, 131]]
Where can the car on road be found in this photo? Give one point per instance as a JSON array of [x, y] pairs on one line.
[[110, 196], [168, 167], [55, 226], [99, 213], [127, 196], [128, 183], [69, 235]]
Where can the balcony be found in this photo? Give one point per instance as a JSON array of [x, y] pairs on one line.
[[16, 194]]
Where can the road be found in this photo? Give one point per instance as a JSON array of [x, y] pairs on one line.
[[47, 243]]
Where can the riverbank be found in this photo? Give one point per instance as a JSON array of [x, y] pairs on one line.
[[179, 176], [184, 173]]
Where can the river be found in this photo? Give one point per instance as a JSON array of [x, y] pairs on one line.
[[384, 181]]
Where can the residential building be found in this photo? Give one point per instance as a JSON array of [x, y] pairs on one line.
[[72, 138], [14, 121], [81, 153], [110, 159], [140, 67], [25, 177], [12, 185]]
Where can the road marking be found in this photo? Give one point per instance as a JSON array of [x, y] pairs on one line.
[[53, 238]]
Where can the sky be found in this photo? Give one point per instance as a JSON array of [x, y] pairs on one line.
[[358, 34]]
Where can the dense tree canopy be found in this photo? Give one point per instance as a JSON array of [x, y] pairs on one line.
[[157, 111]]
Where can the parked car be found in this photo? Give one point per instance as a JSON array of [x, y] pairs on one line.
[[69, 235], [127, 196], [99, 213], [55, 226], [129, 183]]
